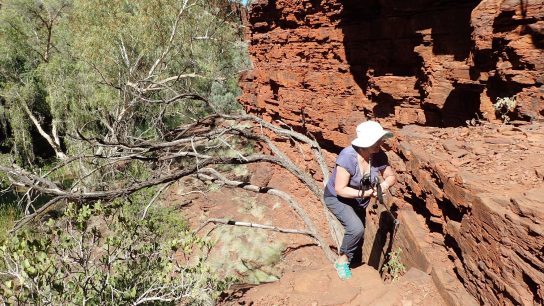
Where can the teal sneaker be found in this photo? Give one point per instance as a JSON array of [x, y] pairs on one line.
[[343, 270]]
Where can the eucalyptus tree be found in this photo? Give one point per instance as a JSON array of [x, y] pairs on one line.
[[114, 68], [76, 74]]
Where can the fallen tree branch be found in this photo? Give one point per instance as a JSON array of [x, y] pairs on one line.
[[286, 162], [215, 175], [255, 225], [335, 227], [336, 230], [316, 149], [192, 137], [155, 198], [45, 186], [43, 209]]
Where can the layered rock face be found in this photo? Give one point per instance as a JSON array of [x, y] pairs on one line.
[[480, 191], [324, 66]]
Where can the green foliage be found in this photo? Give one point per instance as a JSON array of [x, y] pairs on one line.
[[9, 208], [91, 63], [104, 69], [504, 107], [106, 255], [246, 254], [9, 212], [394, 267]]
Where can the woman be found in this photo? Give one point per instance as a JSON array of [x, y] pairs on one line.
[[345, 195]]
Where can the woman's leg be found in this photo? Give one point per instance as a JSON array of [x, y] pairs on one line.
[[357, 259], [352, 223]]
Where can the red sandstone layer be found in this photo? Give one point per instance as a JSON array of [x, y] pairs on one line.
[[324, 66]]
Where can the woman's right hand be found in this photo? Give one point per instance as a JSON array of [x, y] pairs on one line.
[[370, 193]]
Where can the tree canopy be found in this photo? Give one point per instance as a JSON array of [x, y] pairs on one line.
[[76, 76], [113, 68]]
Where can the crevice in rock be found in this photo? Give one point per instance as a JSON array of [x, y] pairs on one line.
[[433, 115], [417, 203], [434, 227], [385, 107], [534, 288], [504, 52], [419, 206], [461, 105], [500, 88], [275, 87], [505, 23], [452, 244], [450, 211], [327, 144], [436, 179], [275, 116], [482, 62]]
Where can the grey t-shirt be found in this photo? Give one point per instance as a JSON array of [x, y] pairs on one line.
[[347, 159]]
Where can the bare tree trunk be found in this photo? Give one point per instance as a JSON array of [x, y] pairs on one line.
[[55, 144]]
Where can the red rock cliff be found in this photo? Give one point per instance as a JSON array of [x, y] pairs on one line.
[[324, 66]]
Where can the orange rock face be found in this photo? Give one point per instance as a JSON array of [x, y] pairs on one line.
[[325, 65], [322, 67], [482, 189]]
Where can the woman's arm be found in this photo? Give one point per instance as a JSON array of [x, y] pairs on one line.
[[342, 189], [389, 178]]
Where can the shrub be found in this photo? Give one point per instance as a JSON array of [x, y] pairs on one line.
[[106, 255], [505, 106], [394, 267]]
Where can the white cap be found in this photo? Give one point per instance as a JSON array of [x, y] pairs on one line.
[[368, 133]]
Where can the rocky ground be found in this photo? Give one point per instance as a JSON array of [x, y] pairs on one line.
[[469, 200], [302, 276], [319, 285]]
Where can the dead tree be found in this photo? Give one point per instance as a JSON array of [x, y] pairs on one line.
[[183, 152]]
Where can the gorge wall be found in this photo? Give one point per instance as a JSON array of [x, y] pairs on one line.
[[324, 65], [425, 69]]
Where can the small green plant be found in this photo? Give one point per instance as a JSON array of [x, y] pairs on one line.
[[249, 205], [394, 267], [248, 256], [505, 106]]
